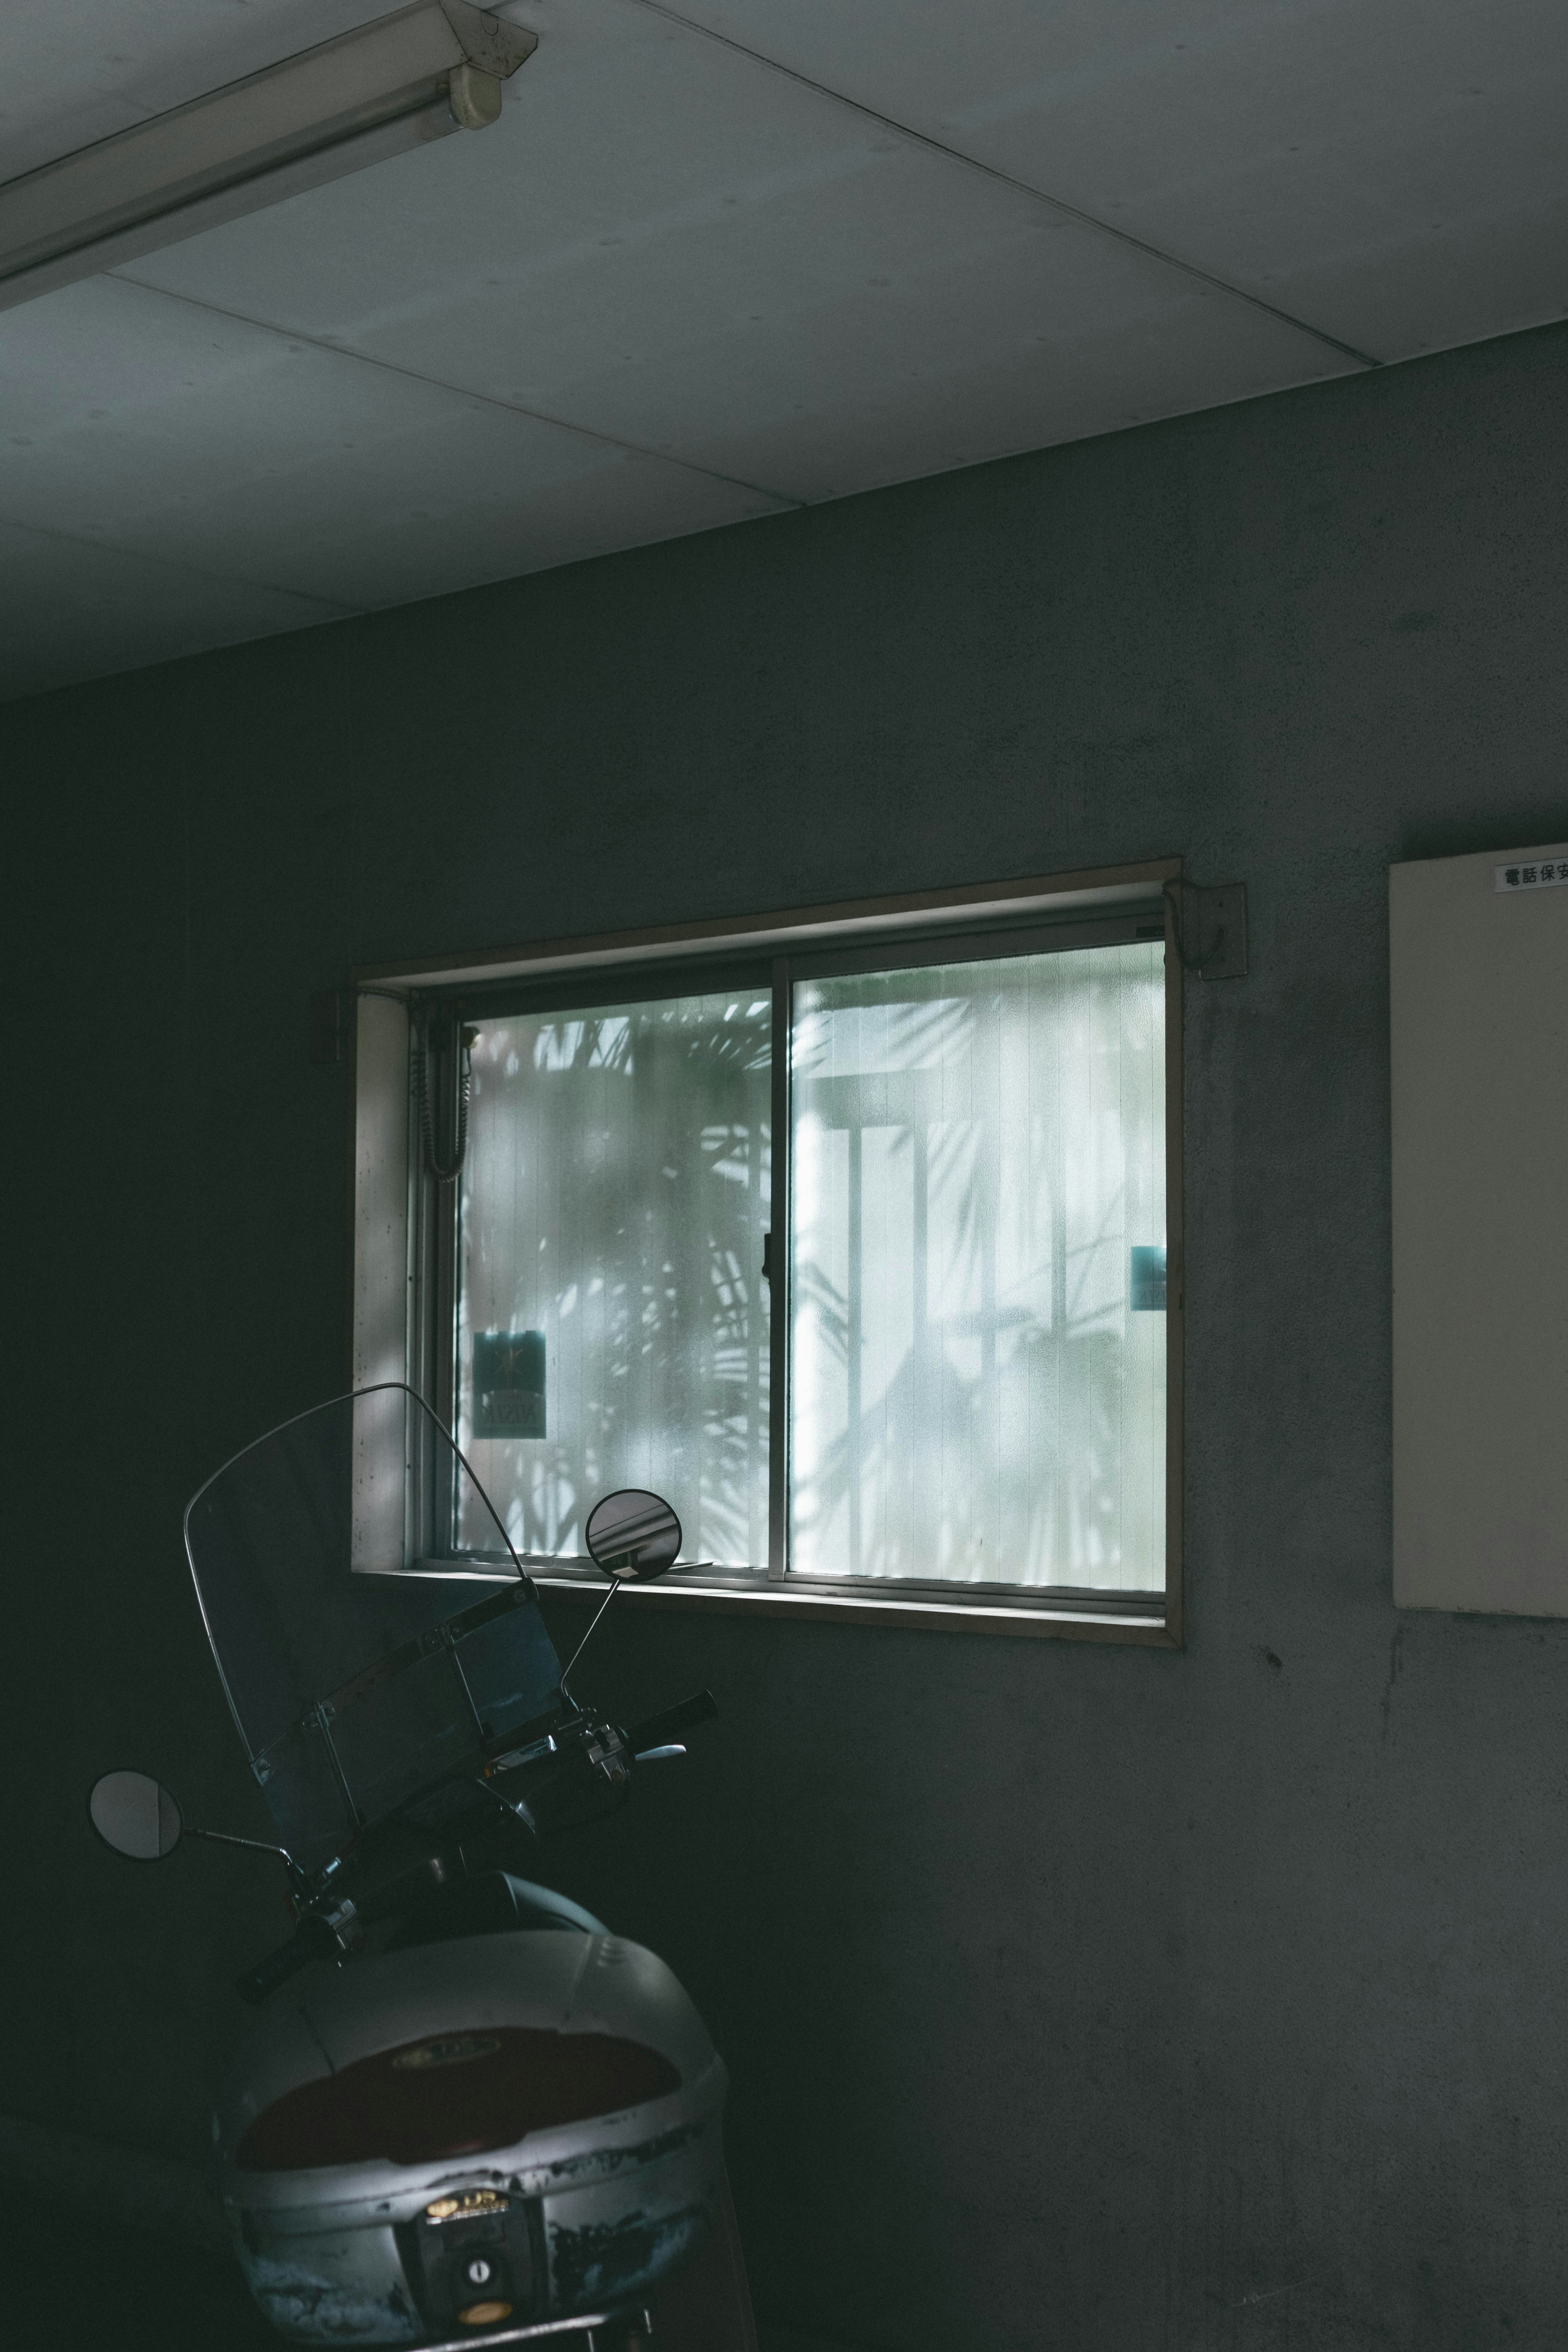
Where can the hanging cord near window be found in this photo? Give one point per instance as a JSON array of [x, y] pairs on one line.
[[1210, 927], [444, 1171], [331, 1013]]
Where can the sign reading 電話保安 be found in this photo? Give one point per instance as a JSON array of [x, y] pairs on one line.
[[1532, 874]]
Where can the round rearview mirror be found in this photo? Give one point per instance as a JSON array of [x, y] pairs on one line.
[[135, 1815], [633, 1533]]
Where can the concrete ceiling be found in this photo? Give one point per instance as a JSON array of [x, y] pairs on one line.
[[725, 257]]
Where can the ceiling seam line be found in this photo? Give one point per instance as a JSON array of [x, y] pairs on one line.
[[457, 391], [339, 611], [1007, 180]]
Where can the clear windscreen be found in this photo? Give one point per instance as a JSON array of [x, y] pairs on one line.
[[364, 1659]]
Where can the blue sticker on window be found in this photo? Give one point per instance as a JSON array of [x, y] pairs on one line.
[[1146, 1282], [509, 1384]]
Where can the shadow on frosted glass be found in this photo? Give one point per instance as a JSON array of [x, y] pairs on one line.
[[615, 1200], [979, 1149]]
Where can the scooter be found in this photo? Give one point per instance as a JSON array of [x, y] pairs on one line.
[[467, 2114]]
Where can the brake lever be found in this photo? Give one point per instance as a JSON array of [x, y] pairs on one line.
[[658, 1755]]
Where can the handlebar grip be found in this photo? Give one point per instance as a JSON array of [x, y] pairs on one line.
[[659, 1730], [304, 1946]]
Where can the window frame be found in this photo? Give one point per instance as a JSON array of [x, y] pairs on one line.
[[1100, 908]]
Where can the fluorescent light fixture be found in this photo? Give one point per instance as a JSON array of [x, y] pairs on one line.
[[379, 90]]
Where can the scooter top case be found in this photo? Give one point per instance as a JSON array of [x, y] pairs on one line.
[[477, 2133]]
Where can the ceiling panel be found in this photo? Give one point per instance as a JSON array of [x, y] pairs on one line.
[[670, 245], [1392, 173], [205, 441], [680, 284], [78, 71]]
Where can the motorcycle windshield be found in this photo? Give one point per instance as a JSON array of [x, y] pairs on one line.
[[364, 1658]]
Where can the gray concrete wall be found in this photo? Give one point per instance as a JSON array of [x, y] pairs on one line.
[[1074, 1997]]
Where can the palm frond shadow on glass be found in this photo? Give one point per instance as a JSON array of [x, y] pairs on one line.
[[977, 1146], [987, 1144], [1055, 1522], [620, 1210]]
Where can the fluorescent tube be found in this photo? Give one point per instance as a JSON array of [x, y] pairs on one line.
[[416, 75]]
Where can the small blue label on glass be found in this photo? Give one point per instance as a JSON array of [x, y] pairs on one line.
[[1146, 1282], [509, 1384]]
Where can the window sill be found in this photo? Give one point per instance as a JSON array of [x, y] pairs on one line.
[[1140, 1619]]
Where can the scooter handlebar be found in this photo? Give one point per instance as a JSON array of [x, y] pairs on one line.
[[661, 1730], [308, 1942], [317, 1937]]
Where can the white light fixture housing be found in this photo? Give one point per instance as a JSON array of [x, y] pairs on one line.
[[387, 87]]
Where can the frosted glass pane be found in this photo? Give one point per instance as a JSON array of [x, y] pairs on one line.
[[978, 1376], [615, 1200]]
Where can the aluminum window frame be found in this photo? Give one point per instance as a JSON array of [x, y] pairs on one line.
[[1043, 915]]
